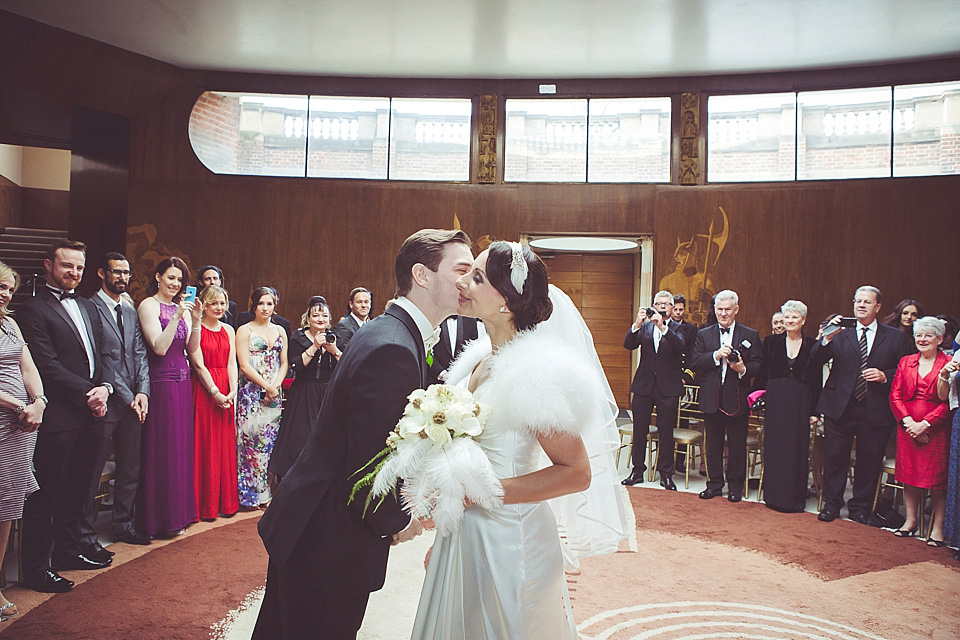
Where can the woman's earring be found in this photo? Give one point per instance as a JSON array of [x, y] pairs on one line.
[[503, 309]]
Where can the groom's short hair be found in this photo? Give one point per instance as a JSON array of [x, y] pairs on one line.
[[425, 247]]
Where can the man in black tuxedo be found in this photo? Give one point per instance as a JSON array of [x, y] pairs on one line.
[[65, 335], [326, 555], [455, 332], [686, 330], [657, 382], [358, 314], [125, 360], [855, 403], [726, 357]]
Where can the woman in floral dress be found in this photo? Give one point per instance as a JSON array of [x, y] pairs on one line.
[[262, 355]]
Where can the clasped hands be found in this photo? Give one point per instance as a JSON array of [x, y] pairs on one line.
[[412, 530], [97, 400], [917, 430]]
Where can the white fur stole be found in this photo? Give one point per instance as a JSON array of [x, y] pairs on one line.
[[537, 383]]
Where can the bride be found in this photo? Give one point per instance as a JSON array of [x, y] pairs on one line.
[[501, 575]]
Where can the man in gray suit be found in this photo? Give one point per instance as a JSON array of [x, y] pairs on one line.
[[125, 357]]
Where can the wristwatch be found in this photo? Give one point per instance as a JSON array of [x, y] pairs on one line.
[[43, 398], [21, 408], [108, 387]]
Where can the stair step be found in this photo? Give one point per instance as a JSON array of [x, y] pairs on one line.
[[31, 246], [52, 234], [29, 254]]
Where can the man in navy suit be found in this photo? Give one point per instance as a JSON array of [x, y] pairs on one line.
[[65, 335], [855, 403], [358, 314], [726, 357], [326, 555], [657, 383]]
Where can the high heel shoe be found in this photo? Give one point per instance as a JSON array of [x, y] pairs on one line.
[[935, 543], [5, 615], [904, 533]]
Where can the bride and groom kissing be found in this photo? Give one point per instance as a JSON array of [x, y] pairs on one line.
[[500, 575]]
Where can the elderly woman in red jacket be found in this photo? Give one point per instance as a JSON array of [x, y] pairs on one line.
[[923, 437]]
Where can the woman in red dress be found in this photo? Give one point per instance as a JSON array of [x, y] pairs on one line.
[[923, 437], [214, 388]]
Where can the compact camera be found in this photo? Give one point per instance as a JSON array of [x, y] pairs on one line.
[[331, 336], [650, 311], [734, 356]]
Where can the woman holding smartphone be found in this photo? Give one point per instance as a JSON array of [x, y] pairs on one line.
[[171, 325]]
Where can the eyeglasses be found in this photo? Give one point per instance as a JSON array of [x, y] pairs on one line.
[[119, 272]]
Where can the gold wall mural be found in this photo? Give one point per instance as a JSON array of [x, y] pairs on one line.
[[695, 260], [144, 254]]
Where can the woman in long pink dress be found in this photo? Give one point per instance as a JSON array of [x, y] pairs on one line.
[[214, 388], [923, 435]]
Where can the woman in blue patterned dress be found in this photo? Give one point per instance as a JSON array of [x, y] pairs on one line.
[[262, 355], [948, 386]]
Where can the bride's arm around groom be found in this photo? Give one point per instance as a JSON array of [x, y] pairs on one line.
[[326, 555]]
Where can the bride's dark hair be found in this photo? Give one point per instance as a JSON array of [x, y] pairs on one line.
[[533, 306]]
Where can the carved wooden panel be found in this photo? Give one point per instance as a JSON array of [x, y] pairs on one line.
[[689, 132], [487, 150]]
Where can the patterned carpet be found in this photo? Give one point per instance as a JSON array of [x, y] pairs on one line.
[[701, 570]]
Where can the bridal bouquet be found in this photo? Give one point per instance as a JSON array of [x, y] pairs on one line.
[[432, 450]]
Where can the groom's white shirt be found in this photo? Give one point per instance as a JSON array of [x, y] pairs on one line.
[[428, 333]]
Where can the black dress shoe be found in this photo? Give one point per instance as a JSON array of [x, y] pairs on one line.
[[635, 477], [132, 536], [48, 581], [667, 482], [97, 552], [709, 493], [828, 514], [734, 497], [78, 562]]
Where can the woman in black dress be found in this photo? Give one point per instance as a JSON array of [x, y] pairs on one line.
[[313, 355], [793, 386]]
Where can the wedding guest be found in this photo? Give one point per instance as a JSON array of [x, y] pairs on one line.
[[903, 317], [209, 275], [948, 390], [125, 359], [171, 326], [855, 403], [793, 382], [262, 354], [923, 437], [776, 324], [358, 314], [247, 315], [312, 355], [65, 336], [21, 411], [948, 345], [214, 363]]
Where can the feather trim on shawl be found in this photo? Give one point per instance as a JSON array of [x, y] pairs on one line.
[[537, 383]]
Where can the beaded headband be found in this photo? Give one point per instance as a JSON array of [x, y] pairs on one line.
[[518, 266]]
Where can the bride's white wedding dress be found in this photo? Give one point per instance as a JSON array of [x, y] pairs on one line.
[[501, 575]]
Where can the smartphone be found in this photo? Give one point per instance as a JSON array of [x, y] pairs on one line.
[[849, 323], [191, 294]]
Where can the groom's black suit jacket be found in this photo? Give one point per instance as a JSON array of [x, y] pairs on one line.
[[309, 522]]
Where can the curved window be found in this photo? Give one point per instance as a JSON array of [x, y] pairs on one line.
[[332, 137]]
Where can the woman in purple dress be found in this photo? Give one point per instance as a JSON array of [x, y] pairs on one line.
[[167, 501]]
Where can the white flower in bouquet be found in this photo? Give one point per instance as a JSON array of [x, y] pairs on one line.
[[433, 452]]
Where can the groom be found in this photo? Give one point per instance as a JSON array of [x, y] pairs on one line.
[[325, 555]]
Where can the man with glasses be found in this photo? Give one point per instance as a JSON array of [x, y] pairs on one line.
[[726, 357], [125, 360], [855, 403], [657, 383]]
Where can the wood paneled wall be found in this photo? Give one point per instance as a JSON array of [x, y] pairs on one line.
[[815, 241]]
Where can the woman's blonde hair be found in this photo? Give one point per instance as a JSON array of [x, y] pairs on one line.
[[7, 272], [209, 293]]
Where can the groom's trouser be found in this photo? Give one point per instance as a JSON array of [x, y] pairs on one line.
[[296, 609]]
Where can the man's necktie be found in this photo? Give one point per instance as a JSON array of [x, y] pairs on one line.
[[119, 311], [860, 390]]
